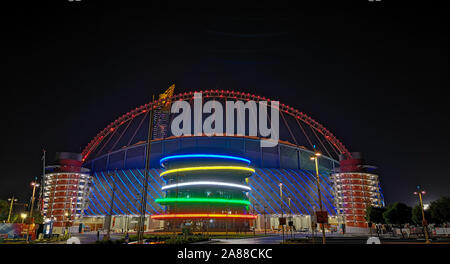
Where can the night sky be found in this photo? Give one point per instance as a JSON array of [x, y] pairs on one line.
[[374, 74]]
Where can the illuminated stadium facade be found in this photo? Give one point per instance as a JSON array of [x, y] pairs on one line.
[[179, 196]]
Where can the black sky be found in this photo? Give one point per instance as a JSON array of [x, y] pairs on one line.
[[374, 74]]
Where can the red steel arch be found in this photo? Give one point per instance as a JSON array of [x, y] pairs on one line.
[[215, 94]]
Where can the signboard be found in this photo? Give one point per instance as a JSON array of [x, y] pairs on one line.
[[11, 230], [282, 220], [322, 217]]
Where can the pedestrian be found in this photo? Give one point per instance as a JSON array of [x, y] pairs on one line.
[[98, 235], [127, 238]]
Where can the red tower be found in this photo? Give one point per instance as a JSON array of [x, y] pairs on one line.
[[66, 191], [356, 186]]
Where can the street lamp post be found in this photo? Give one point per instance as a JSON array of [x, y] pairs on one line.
[[226, 224], [254, 222], [282, 215], [264, 213], [315, 158], [34, 184], [66, 215], [12, 200], [23, 216], [289, 205], [420, 192], [108, 228]]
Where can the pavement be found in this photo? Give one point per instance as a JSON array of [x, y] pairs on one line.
[[330, 239], [91, 237], [274, 239], [277, 238]]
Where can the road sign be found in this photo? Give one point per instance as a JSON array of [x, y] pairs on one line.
[[322, 217]]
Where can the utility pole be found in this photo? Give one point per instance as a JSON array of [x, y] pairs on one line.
[[12, 200], [424, 221], [141, 221]]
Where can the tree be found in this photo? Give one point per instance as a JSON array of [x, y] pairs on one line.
[[15, 218], [4, 210], [375, 214], [398, 214], [440, 210], [38, 218], [417, 215]]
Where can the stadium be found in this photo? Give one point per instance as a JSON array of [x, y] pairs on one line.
[[264, 184]]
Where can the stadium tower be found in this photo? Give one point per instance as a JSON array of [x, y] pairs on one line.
[[356, 186], [206, 192], [67, 187]]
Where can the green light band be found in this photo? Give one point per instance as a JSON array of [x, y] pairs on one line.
[[201, 200]]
